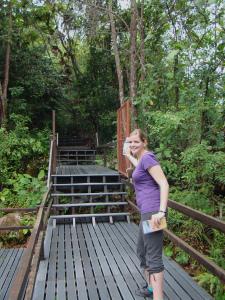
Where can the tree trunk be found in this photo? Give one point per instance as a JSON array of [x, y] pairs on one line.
[[133, 50], [133, 57], [176, 82], [117, 56], [203, 112], [1, 104], [4, 89], [142, 35]]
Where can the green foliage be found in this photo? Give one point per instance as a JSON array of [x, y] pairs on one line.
[[20, 149], [211, 283], [23, 191], [202, 166], [182, 257], [168, 251], [196, 199], [207, 240], [27, 220]]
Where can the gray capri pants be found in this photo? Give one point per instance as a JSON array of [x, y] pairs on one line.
[[149, 248]]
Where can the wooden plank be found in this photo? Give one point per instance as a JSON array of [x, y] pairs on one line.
[[101, 285], [195, 291], [90, 170], [13, 268], [2, 258], [126, 249], [5, 261], [89, 215], [127, 268], [70, 276], [88, 194], [121, 282], [89, 204], [48, 240], [88, 271], [80, 280], [62, 172], [108, 276], [61, 276], [2, 251], [39, 289], [177, 288], [76, 151], [6, 267], [51, 282], [87, 184]]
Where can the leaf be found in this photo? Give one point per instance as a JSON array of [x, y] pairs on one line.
[[25, 231], [171, 55], [41, 175]]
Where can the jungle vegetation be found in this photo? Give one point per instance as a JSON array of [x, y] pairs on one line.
[[83, 59]]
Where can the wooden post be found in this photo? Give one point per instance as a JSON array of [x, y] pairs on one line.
[[53, 123], [54, 160]]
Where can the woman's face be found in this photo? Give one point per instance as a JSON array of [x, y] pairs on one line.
[[137, 146]]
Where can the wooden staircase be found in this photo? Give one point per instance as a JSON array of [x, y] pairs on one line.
[[84, 191], [71, 156]]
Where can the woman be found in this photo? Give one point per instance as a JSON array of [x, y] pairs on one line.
[[151, 188]]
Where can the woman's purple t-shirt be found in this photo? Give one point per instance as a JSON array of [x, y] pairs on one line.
[[146, 189]]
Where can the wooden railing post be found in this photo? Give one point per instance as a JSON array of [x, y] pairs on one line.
[[54, 138]]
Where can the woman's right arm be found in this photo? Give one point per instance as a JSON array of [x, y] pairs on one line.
[[132, 159]]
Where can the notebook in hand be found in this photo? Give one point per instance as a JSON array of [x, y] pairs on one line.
[[148, 227]]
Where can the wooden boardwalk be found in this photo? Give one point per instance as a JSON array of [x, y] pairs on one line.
[[89, 262], [9, 262], [86, 262], [85, 170]]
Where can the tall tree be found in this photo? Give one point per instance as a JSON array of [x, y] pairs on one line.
[[142, 38], [133, 50], [117, 55], [4, 86]]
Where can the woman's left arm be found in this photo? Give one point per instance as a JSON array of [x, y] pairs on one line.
[[157, 173]]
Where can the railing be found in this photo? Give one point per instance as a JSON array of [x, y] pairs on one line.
[[23, 284], [208, 220], [53, 151], [52, 159]]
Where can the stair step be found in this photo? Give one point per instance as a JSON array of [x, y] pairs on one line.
[[89, 215], [76, 150], [87, 184], [89, 204], [86, 175], [75, 160], [88, 194], [75, 155]]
